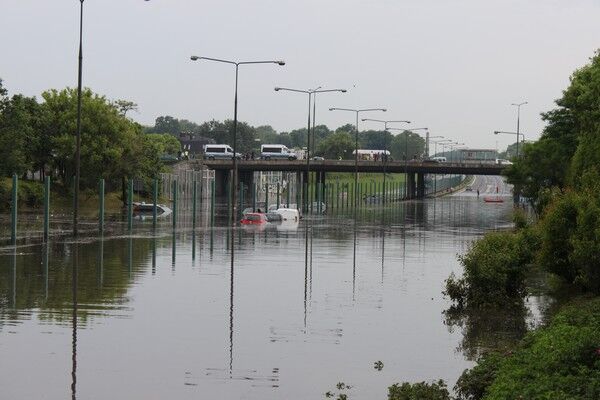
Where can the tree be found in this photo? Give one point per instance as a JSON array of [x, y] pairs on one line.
[[407, 145], [19, 133], [337, 146], [124, 106], [112, 146]]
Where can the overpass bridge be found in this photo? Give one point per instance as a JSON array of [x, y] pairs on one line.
[[415, 170]]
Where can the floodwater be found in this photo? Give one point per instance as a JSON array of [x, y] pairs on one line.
[[289, 313]]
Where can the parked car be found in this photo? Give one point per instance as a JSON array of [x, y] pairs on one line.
[[318, 158], [254, 219]]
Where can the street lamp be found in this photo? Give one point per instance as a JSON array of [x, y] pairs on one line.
[[518, 105], [513, 133], [235, 107], [313, 93], [357, 112], [385, 151], [78, 126], [431, 137]]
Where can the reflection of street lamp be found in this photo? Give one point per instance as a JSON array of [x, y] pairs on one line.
[[357, 111], [385, 151], [235, 107], [313, 93]]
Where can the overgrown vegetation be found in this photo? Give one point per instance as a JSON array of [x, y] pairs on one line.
[[39, 137]]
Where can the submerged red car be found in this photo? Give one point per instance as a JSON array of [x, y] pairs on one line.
[[254, 219]]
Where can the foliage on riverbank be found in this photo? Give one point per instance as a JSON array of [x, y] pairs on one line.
[[40, 137]]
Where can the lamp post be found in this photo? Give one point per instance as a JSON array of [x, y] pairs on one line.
[[513, 133], [78, 124], [357, 112], [385, 151], [432, 137], [406, 152], [235, 108], [518, 105], [313, 93]]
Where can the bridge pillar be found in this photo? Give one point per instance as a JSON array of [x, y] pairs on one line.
[[411, 186], [222, 177], [304, 180], [420, 185]]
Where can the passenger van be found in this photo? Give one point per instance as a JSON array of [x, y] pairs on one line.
[[212, 151], [276, 151], [438, 159]]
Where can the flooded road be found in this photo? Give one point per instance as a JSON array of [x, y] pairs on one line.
[[289, 313]]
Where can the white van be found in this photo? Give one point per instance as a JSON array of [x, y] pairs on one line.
[[212, 151], [438, 159], [276, 151]]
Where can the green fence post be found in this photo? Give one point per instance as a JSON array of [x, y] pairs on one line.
[[266, 197], [278, 187], [46, 208], [241, 206], [13, 213], [130, 205], [101, 206], [212, 203], [287, 193], [254, 197], [174, 203], [194, 195], [154, 202]]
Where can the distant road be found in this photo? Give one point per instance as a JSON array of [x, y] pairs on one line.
[[487, 185]]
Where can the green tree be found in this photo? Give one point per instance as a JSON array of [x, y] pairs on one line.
[[112, 146], [19, 134], [407, 145], [337, 146]]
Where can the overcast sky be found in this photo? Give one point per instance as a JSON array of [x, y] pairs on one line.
[[454, 66]]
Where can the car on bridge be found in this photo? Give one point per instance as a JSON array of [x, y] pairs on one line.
[[214, 151], [276, 151]]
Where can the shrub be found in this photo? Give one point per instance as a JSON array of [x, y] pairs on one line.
[[473, 383], [495, 268], [30, 194], [419, 391], [561, 361]]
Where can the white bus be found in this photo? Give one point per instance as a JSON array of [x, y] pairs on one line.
[[212, 151], [276, 151]]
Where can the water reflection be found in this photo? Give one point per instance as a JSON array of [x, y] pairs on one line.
[[266, 306], [74, 281]]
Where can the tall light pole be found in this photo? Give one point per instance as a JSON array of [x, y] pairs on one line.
[[313, 93], [357, 112], [235, 109], [513, 133], [432, 137], [518, 105], [78, 125], [385, 151]]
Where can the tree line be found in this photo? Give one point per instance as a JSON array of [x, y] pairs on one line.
[[38, 138], [331, 144]]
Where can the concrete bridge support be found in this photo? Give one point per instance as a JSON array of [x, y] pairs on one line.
[[222, 179], [411, 186], [320, 179], [420, 186]]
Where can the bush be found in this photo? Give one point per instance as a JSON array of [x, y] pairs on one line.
[[495, 268], [419, 391], [473, 383], [561, 361], [30, 194], [570, 235]]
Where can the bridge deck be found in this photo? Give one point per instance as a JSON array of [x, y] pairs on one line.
[[363, 166]]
